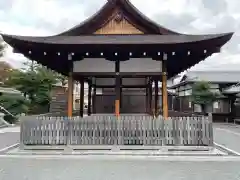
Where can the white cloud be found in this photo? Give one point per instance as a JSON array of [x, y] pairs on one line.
[[48, 17]]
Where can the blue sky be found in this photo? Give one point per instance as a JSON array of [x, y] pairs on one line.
[[49, 17]]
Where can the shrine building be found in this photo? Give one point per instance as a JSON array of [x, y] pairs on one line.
[[122, 52]]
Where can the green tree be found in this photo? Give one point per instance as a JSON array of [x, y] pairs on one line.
[[4, 66], [202, 95], [2, 47], [14, 103], [5, 71], [35, 83], [61, 79]]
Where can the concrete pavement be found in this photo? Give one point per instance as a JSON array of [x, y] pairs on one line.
[[9, 137], [128, 169], [58, 167], [228, 136]]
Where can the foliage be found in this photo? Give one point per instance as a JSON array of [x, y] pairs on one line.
[[33, 66], [14, 103], [201, 93], [5, 71], [10, 119], [2, 48], [62, 79], [35, 83]]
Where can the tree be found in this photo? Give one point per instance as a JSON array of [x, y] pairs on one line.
[[5, 70], [202, 95], [33, 66], [35, 83], [61, 78], [4, 66], [2, 47], [14, 103]]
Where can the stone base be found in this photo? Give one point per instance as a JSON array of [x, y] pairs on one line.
[[156, 151]]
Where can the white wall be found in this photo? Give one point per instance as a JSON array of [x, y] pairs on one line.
[[103, 65]]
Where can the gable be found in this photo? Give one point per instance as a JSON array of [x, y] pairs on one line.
[[118, 24], [118, 17]]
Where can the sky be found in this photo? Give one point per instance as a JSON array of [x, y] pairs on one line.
[[50, 17]]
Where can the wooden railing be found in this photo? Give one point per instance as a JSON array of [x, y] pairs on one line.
[[107, 130]]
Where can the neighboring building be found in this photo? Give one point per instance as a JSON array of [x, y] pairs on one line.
[[233, 92], [218, 80]]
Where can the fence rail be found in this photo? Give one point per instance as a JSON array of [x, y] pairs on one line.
[[107, 130]]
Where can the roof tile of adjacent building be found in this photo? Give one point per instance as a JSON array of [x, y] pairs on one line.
[[210, 76], [234, 89]]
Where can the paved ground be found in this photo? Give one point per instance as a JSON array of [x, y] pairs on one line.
[[8, 137], [228, 135], [93, 168]]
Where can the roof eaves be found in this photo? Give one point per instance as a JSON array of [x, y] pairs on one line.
[[232, 89], [180, 84]]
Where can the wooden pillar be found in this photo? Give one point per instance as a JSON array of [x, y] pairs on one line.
[[70, 95], [120, 93], [156, 102], [164, 87], [94, 99], [117, 88], [147, 95], [81, 97], [150, 96], [89, 98]]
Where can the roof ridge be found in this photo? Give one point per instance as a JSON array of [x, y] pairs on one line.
[[95, 19]]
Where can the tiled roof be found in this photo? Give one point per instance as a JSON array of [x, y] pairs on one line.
[[232, 89], [209, 76], [119, 39], [213, 76]]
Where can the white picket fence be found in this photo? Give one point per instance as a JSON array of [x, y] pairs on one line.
[[141, 130]]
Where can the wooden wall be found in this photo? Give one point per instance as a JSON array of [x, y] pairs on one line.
[[114, 25], [133, 102]]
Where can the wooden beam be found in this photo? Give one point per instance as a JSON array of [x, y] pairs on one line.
[[70, 95], [123, 86]]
